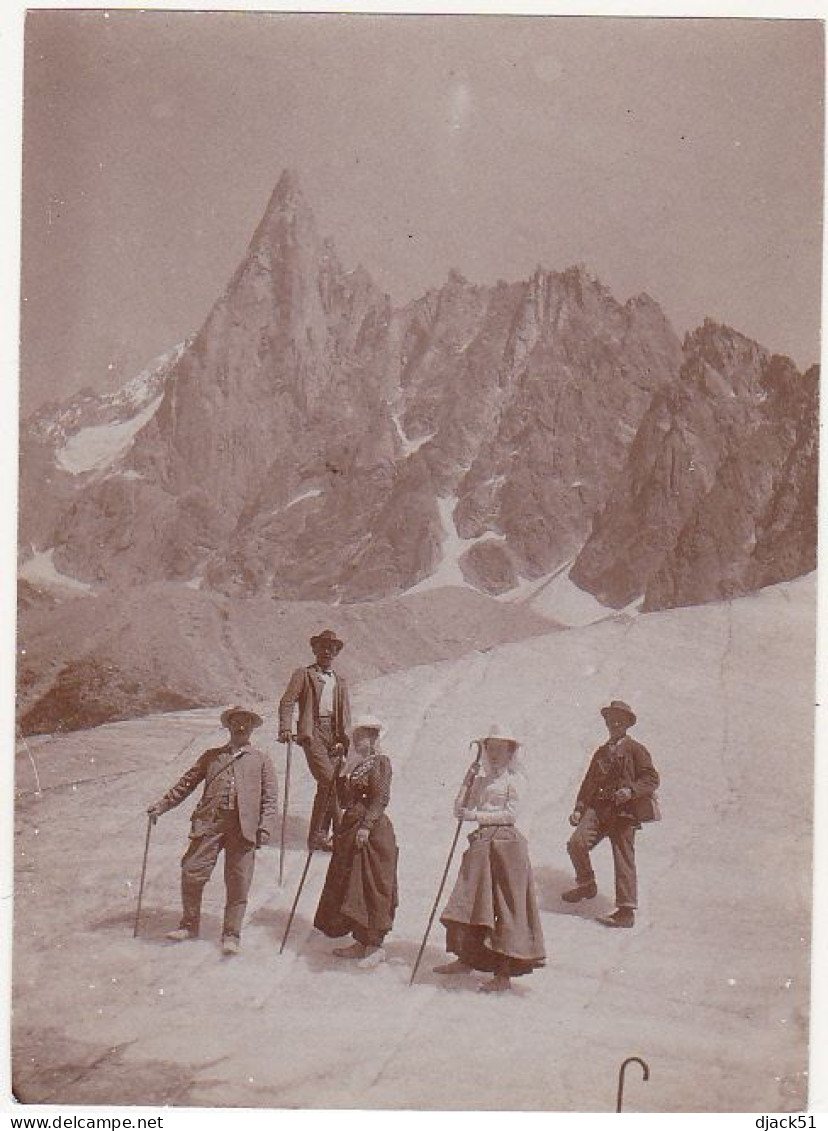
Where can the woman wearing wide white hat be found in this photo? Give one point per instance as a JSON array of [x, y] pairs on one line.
[[491, 919], [360, 893]]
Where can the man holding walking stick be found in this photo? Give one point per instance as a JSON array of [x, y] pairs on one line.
[[237, 813], [324, 719]]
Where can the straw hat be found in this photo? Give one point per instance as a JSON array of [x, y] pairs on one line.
[[368, 722], [495, 732]]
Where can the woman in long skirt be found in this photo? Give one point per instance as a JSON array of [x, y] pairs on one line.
[[491, 919], [360, 893]]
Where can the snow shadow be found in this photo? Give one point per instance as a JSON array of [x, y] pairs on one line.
[[315, 950], [154, 924], [50, 1067], [275, 919], [551, 883]]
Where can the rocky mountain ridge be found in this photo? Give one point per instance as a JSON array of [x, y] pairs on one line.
[[312, 442]]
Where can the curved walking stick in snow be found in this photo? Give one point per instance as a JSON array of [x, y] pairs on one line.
[[630, 1060], [473, 766], [311, 851], [285, 809], [150, 822]]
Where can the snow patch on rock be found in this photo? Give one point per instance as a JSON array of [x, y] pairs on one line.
[[410, 446], [41, 571], [448, 572], [130, 474], [313, 493], [100, 445]]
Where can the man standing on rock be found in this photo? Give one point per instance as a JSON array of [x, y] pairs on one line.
[[237, 812], [322, 729], [615, 795]]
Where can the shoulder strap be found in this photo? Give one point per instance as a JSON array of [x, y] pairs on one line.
[[209, 781]]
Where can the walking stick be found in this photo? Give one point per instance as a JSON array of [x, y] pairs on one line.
[[474, 766], [285, 809], [630, 1060], [311, 851], [150, 822]]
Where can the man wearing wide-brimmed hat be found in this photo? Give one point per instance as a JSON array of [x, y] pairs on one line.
[[237, 812], [322, 727], [618, 786]]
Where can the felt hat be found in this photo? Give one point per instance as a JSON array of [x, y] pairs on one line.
[[327, 636], [617, 707], [227, 715]]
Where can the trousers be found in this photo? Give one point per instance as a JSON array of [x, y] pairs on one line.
[[322, 765], [197, 866], [621, 833]]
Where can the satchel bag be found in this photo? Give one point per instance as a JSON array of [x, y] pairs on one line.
[[647, 809]]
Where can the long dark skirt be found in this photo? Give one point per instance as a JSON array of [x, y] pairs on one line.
[[491, 919], [360, 892]]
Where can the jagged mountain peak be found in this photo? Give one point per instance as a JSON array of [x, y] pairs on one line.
[[642, 301], [288, 190], [288, 222], [721, 345], [456, 278], [723, 362]]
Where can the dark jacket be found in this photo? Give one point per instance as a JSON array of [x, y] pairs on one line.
[[256, 787], [635, 772], [305, 687]]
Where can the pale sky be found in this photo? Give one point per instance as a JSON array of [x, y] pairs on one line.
[[678, 157]]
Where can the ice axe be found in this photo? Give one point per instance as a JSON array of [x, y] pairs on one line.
[[469, 783], [311, 850], [630, 1060], [285, 809], [151, 819]]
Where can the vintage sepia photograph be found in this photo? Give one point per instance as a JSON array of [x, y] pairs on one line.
[[416, 561]]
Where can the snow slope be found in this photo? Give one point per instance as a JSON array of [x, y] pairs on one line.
[[711, 987], [448, 572]]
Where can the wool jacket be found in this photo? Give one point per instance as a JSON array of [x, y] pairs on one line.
[[305, 688], [635, 772], [257, 791]]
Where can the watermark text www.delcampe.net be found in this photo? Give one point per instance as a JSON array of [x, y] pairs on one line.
[[86, 1123]]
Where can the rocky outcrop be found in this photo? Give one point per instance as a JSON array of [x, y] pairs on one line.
[[703, 508], [577, 363], [758, 524]]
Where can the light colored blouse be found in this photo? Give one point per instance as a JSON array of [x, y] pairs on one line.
[[493, 799]]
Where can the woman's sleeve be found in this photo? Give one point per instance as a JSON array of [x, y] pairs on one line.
[[467, 797], [379, 791], [508, 814]]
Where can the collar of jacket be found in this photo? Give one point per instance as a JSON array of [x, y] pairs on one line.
[[228, 749], [612, 745]]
